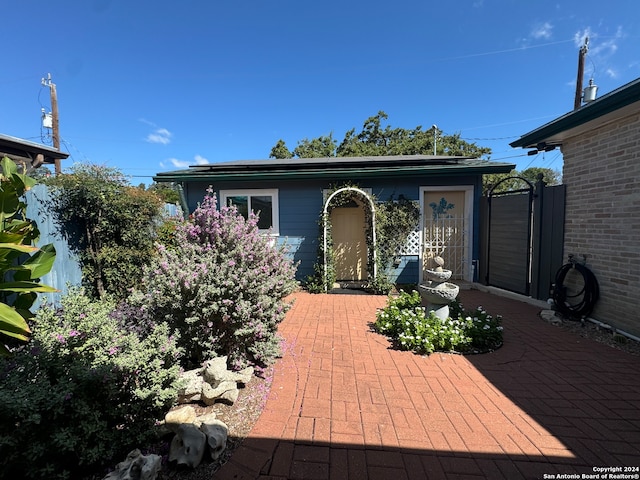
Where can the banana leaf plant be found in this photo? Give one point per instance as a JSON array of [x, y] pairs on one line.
[[21, 262]]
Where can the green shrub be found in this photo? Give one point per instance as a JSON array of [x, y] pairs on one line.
[[413, 328], [83, 392], [221, 285], [109, 224]]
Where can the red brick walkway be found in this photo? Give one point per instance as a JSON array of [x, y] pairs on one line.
[[344, 405]]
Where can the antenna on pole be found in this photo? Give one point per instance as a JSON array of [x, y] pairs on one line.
[[55, 130], [581, 54]]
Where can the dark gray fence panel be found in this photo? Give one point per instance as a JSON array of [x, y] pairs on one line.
[[549, 250], [510, 243]]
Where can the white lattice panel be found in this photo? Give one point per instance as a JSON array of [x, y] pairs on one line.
[[412, 246]]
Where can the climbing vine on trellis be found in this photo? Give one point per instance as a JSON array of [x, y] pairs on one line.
[[395, 220]]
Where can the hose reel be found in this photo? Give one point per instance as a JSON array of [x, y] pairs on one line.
[[579, 305]]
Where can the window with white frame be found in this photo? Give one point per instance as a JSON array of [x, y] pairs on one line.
[[262, 202]]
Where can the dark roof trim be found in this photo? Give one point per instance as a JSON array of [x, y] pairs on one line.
[[361, 167], [609, 103], [24, 150]]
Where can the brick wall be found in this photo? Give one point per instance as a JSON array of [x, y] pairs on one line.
[[602, 176]]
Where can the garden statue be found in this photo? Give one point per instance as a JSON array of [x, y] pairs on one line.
[[137, 467], [437, 293]]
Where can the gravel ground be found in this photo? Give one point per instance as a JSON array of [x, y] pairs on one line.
[[602, 335]]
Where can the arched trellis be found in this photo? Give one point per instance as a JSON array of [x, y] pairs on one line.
[[364, 195]]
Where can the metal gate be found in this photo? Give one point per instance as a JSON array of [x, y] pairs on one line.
[[445, 237], [509, 238]]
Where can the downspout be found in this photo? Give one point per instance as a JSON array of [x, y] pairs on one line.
[[373, 238], [324, 246], [183, 201]]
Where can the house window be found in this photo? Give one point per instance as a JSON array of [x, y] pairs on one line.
[[263, 203]]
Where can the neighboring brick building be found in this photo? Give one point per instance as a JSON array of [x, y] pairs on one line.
[[600, 143]]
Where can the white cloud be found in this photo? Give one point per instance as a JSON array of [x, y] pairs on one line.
[[160, 135], [200, 160], [542, 31], [580, 35], [174, 162], [611, 73]]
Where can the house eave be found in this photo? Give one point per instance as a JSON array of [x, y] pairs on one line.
[[335, 168], [20, 151], [604, 109]]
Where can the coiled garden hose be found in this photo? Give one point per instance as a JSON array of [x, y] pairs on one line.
[[589, 293]]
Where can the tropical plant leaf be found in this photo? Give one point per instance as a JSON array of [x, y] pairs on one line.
[[12, 323], [19, 248], [20, 287], [41, 263]]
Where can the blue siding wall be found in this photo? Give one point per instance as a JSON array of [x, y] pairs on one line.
[[301, 203], [66, 269]]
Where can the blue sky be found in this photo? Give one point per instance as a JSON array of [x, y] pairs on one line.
[[156, 86]]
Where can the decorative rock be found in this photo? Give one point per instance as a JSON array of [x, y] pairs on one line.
[[137, 467], [178, 416], [206, 418], [188, 446], [216, 432], [193, 386], [213, 382], [216, 371], [226, 391], [551, 317]]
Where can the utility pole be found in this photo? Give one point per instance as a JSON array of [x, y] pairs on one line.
[[435, 138], [581, 54], [55, 132]]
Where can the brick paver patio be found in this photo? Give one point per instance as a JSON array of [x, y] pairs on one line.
[[344, 405]]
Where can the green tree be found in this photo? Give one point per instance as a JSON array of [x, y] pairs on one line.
[[109, 224], [280, 150], [320, 147], [166, 191], [376, 140], [549, 176]]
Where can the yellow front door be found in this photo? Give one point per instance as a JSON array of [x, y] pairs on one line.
[[349, 243]]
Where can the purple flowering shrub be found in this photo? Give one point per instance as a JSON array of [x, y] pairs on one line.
[[83, 392], [222, 286]]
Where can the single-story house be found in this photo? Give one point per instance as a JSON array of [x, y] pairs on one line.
[[28, 154], [293, 196], [600, 143]]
